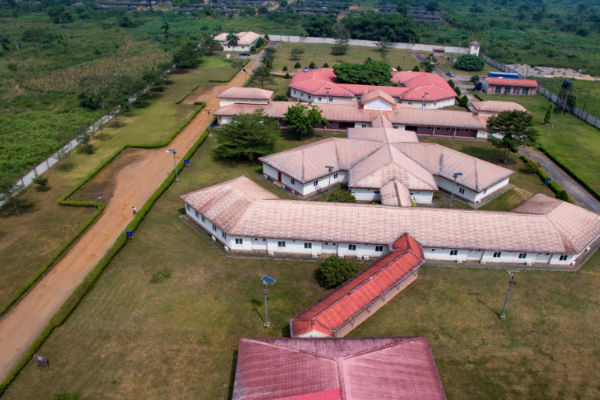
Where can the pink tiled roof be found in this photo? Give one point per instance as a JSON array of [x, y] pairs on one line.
[[237, 109], [269, 217], [396, 194], [377, 94], [497, 106], [339, 308], [323, 82], [246, 93], [336, 369], [530, 83], [444, 118], [389, 135]]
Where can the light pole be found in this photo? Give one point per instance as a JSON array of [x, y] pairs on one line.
[[454, 175], [266, 280], [173, 151], [511, 282], [330, 169], [423, 99], [209, 122], [550, 126]]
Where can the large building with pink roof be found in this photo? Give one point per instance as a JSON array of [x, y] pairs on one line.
[[414, 89]]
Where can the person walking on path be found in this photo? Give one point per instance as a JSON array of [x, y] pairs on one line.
[[134, 210]]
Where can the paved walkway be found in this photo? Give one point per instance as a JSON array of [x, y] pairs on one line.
[[22, 325], [573, 188]]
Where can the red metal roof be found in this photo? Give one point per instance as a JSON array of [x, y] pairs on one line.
[[392, 368], [530, 83], [340, 306], [414, 85]]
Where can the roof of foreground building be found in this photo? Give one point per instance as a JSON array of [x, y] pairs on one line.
[[393, 368], [497, 106], [241, 207], [245, 93], [529, 83], [341, 306]]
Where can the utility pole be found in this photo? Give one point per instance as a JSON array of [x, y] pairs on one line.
[[455, 175], [173, 151], [330, 169], [511, 282], [267, 280]]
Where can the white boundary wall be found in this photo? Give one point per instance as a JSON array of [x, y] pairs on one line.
[[369, 43]]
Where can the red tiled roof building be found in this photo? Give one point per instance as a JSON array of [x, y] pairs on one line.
[[392, 368], [353, 302], [525, 87]]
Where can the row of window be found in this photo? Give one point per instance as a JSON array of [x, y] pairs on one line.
[[516, 90]]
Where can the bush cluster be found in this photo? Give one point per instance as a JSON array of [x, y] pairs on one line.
[[333, 271]]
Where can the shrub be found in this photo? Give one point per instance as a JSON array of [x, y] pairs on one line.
[[284, 68], [287, 75], [161, 276], [280, 97], [340, 195], [469, 62], [333, 271], [41, 183], [457, 90], [311, 65], [297, 65], [325, 65], [416, 68], [86, 148]]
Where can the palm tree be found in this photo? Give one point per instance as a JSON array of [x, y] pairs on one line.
[[232, 39]]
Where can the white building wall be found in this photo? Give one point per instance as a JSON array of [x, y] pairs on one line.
[[360, 124], [270, 172], [378, 104], [491, 189], [482, 134], [429, 105], [468, 194], [363, 194], [226, 102], [313, 334], [224, 120], [305, 96]]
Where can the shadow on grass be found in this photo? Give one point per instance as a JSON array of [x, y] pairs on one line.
[[232, 374], [256, 307], [16, 207], [483, 303]]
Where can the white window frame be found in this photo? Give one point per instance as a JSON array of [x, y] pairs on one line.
[[281, 243], [352, 247], [307, 245]]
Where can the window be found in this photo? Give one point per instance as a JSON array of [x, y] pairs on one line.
[[522, 256], [316, 183], [525, 91], [453, 252], [281, 243], [378, 248], [239, 241], [308, 245], [352, 247], [330, 99], [214, 227], [335, 175], [410, 102], [202, 218], [292, 181], [187, 207], [364, 125], [223, 235], [319, 99], [498, 89], [563, 257], [517, 90], [507, 90], [461, 190], [196, 213], [376, 191], [497, 254], [357, 98]]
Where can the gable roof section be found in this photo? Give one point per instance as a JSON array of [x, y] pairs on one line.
[[377, 94], [387, 135], [245, 93], [395, 194], [423, 86], [339, 308], [529, 83], [244, 38], [443, 118], [332, 369], [497, 106]]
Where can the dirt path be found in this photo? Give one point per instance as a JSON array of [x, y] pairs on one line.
[[21, 326]]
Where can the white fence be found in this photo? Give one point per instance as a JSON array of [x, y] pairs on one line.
[[576, 111], [368, 43]]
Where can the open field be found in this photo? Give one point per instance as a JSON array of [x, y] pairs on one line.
[[572, 141], [448, 66], [43, 229], [586, 92], [321, 54], [130, 338]]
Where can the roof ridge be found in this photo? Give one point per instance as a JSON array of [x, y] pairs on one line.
[[402, 340]]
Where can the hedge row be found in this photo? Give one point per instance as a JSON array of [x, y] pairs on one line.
[[583, 183], [557, 190], [63, 201], [88, 282]]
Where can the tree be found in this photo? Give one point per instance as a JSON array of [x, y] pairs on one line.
[[340, 47], [319, 25], [333, 271], [209, 46], [297, 65], [232, 39], [247, 136], [474, 79], [165, 29], [187, 56], [59, 14], [295, 53], [8, 187], [429, 63], [301, 119], [516, 128], [369, 73], [262, 74], [548, 115], [340, 195], [384, 47], [469, 62]]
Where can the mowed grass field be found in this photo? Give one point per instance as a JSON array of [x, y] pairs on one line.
[[31, 239], [587, 92], [321, 54], [574, 142], [130, 338]]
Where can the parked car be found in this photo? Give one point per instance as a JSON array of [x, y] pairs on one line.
[[305, 69], [450, 73], [245, 54]]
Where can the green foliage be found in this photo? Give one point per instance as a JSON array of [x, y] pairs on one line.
[[41, 183], [297, 65], [86, 148], [319, 25], [416, 68], [262, 75], [107, 91], [474, 79], [232, 39], [161, 276], [516, 128], [369, 73], [295, 53], [311, 65], [301, 119], [548, 115], [339, 49], [333, 271], [457, 90], [59, 14], [325, 65], [247, 136], [340, 195], [469, 62], [463, 101], [284, 68], [280, 97], [375, 26], [187, 56], [429, 63]]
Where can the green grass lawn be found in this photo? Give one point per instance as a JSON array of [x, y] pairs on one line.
[[321, 54], [448, 66], [575, 143], [586, 92], [31, 239], [130, 338]]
